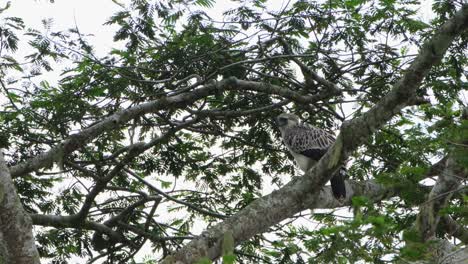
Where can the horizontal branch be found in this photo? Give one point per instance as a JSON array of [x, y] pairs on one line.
[[58, 221], [151, 236], [372, 190], [73, 221]]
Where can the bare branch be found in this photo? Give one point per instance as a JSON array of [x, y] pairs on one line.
[[452, 228], [70, 222]]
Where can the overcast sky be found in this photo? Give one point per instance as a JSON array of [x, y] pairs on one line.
[[88, 15]]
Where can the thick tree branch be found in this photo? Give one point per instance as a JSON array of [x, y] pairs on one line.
[[69, 221], [452, 228], [458, 256], [370, 189], [447, 182], [73, 221], [17, 245], [287, 201]]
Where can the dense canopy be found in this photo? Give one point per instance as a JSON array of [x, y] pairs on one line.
[[165, 149]]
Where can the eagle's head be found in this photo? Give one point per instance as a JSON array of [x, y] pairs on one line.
[[286, 120]]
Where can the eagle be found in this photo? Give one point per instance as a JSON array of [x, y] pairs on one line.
[[308, 144]]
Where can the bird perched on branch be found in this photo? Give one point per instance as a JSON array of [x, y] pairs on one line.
[[308, 144]]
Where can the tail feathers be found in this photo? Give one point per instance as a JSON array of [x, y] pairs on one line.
[[338, 185]]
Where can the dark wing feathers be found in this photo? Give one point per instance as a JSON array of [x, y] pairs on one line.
[[314, 154], [309, 141], [338, 184]]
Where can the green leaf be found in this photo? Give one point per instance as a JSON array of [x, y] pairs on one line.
[[204, 260], [205, 3], [229, 259]]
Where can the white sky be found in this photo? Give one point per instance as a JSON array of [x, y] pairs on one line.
[[87, 15]]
